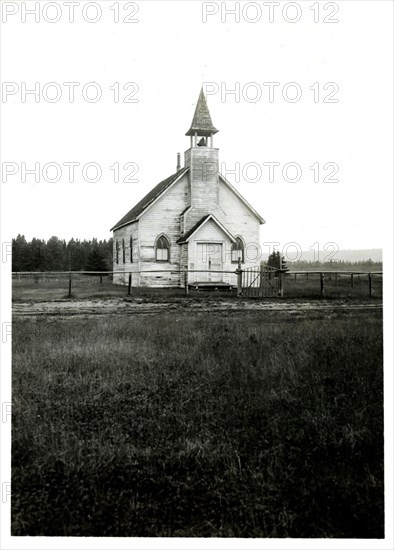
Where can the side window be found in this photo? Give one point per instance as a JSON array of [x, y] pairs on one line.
[[117, 252], [123, 252], [162, 253], [237, 251], [131, 249]]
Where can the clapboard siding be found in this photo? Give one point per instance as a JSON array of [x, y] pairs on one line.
[[163, 217], [240, 221], [173, 214], [203, 163], [124, 268], [210, 232]]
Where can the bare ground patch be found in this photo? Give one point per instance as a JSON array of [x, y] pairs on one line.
[[135, 306]]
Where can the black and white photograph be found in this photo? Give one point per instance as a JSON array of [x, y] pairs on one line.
[[196, 274]]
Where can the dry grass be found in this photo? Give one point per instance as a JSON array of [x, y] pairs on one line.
[[51, 287], [265, 425]]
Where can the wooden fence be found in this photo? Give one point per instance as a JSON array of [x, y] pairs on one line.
[[332, 279], [252, 282]]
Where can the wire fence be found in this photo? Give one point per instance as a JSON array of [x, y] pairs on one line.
[[258, 282], [356, 284]]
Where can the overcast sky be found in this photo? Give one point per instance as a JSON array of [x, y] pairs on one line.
[[169, 53]]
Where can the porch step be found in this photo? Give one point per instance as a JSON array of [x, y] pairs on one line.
[[211, 286]]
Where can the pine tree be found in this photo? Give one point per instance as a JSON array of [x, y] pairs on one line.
[[277, 261], [96, 261]]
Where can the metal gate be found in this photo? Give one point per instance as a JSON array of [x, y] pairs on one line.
[[260, 282]]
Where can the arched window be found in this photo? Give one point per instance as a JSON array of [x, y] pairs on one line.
[[117, 252], [162, 249], [131, 249], [237, 251], [123, 252]]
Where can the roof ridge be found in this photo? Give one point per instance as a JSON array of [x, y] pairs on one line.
[[200, 222], [148, 199]]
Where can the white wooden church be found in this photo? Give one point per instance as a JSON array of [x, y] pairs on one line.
[[194, 220]]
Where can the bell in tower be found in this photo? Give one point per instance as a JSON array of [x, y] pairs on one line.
[[202, 160], [201, 126]]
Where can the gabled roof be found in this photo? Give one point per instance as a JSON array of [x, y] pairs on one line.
[[146, 201], [202, 222], [238, 194], [155, 193], [202, 123]]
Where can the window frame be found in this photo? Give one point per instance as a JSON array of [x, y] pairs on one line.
[[236, 249], [160, 238]]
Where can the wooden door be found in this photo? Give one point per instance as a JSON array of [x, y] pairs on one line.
[[209, 259]]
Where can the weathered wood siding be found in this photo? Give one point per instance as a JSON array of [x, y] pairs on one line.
[[124, 268], [208, 233], [163, 217], [202, 191], [203, 163], [240, 222]]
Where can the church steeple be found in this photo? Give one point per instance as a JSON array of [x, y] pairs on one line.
[[202, 161], [201, 124]]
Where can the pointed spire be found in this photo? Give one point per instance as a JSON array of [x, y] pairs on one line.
[[202, 123]]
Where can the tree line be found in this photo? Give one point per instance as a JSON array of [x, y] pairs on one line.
[[60, 255], [338, 265], [278, 261], [93, 255]]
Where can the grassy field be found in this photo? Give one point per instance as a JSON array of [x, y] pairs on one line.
[[335, 286], [260, 425], [42, 289]]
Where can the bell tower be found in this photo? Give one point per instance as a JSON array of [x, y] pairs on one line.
[[201, 126], [203, 161]]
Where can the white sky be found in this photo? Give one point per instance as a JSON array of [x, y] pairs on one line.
[[169, 53]]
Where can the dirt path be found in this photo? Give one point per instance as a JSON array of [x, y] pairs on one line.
[[144, 306]]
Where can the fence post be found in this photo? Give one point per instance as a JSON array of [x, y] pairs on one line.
[[101, 278], [239, 278], [69, 285], [261, 281], [186, 282], [352, 280], [307, 277], [370, 283], [321, 284], [129, 287], [281, 280]]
